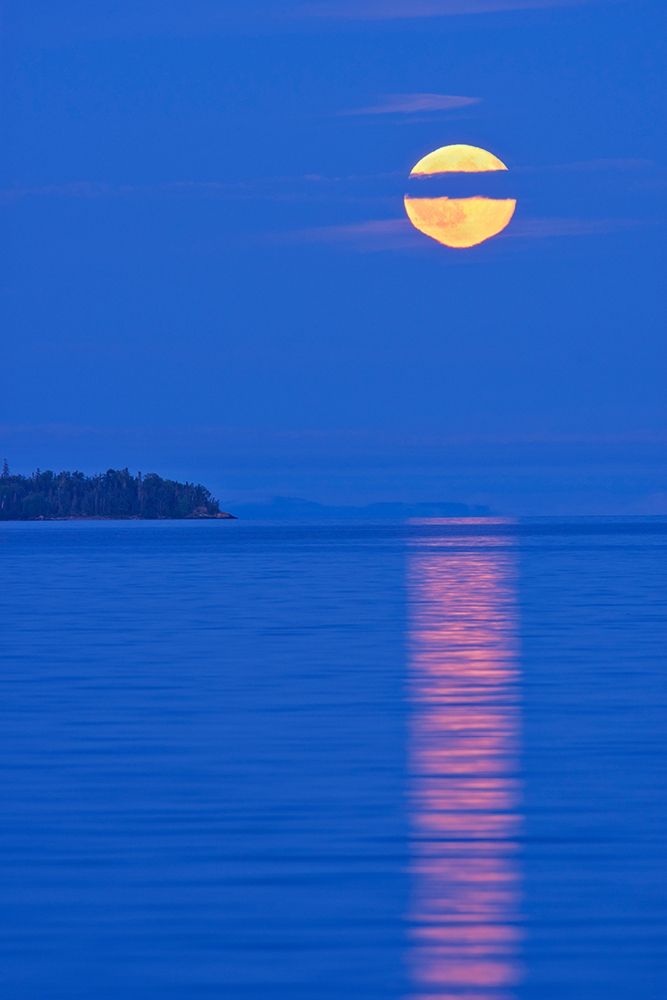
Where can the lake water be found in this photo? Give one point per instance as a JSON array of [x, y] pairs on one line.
[[421, 761]]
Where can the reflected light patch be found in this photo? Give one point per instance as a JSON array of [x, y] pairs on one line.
[[465, 791]]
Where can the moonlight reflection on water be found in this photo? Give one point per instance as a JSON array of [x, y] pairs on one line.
[[465, 795]]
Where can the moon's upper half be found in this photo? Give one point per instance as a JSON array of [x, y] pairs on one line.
[[459, 222]]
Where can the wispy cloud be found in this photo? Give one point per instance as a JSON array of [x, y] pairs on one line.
[[316, 185], [110, 19], [103, 189], [369, 236], [598, 166], [548, 228], [397, 234], [376, 10], [411, 104], [72, 189], [306, 187]]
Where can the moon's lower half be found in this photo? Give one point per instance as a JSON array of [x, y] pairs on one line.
[[460, 222]]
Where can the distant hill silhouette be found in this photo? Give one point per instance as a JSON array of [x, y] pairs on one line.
[[113, 494], [294, 508]]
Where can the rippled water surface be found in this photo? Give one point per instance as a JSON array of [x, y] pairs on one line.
[[398, 762]]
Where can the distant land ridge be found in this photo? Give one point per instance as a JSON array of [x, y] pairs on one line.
[[294, 508], [115, 494]]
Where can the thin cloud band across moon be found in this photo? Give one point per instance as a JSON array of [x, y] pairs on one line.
[[459, 223]]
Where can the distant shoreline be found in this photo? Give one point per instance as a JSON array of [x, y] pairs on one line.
[[222, 516]]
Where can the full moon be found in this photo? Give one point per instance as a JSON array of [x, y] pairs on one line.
[[459, 222]]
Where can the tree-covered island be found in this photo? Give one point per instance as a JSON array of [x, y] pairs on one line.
[[113, 494]]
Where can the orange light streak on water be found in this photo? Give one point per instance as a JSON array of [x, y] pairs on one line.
[[465, 797]]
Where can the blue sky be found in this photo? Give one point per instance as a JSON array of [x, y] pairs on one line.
[[210, 274]]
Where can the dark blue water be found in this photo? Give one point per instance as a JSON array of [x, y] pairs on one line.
[[418, 762]]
